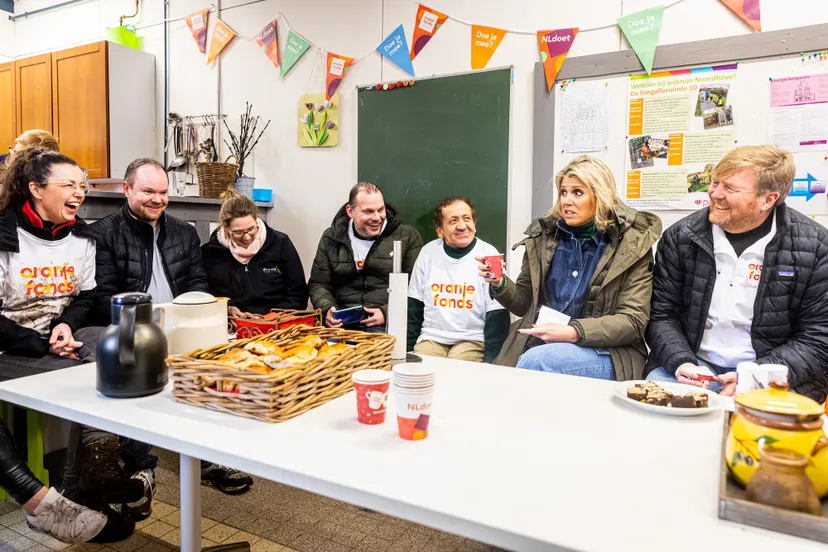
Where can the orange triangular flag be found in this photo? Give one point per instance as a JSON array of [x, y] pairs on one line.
[[484, 42], [222, 35], [427, 23], [197, 22], [337, 67], [554, 46], [747, 10]]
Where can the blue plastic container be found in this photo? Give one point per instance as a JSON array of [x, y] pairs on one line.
[[264, 195]]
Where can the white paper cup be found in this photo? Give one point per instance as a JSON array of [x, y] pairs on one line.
[[413, 412]]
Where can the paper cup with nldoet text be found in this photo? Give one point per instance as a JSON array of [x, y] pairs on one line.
[[413, 412], [371, 388], [495, 264]]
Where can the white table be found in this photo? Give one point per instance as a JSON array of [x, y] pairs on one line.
[[522, 460]]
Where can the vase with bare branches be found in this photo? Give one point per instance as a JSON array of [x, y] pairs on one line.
[[241, 145]]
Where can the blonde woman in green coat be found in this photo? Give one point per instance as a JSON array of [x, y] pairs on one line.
[[590, 258]]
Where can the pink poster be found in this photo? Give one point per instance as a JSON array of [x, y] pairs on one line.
[[800, 90]]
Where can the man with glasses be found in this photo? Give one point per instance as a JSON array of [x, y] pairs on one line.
[[141, 248]]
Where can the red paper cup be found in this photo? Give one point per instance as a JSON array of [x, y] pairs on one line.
[[413, 412], [371, 388], [495, 264]]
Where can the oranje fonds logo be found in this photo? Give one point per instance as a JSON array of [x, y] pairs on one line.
[[63, 279], [461, 291]]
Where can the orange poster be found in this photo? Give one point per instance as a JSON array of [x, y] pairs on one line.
[[197, 22], [428, 22], [222, 35], [337, 67], [484, 42]]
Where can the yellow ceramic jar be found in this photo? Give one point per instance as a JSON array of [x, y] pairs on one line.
[[784, 420]]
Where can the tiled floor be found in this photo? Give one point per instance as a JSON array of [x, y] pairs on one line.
[[271, 517]]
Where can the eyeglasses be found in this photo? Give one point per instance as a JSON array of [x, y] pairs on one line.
[[252, 231], [82, 186]]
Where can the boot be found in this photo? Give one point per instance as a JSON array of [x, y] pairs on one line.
[[102, 480]]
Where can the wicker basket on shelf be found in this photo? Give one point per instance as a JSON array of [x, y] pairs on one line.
[[198, 379], [277, 319], [216, 178]]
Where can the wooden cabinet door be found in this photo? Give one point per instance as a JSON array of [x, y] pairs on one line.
[[8, 107], [81, 106], [34, 93]]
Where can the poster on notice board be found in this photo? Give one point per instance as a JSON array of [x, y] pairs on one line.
[[679, 125]]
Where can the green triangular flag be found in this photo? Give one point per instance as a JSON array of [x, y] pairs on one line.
[[295, 47], [641, 29]]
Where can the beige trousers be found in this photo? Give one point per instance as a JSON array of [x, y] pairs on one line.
[[462, 350]]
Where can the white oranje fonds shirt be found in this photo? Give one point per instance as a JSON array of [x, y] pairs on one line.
[[37, 283], [455, 297]]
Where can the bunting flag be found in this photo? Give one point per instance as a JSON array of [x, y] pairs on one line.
[[554, 46], [268, 39], [428, 22], [337, 67], [395, 48], [642, 29], [295, 47], [222, 35], [747, 10], [197, 22], [484, 42]]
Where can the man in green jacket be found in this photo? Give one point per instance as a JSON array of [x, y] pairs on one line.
[[354, 258]]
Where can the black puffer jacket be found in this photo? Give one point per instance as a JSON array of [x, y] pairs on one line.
[[273, 279], [335, 281], [790, 315], [124, 257]]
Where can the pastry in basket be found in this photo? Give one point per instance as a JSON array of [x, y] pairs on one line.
[[313, 340], [264, 348], [333, 349], [244, 359], [276, 362], [300, 354]]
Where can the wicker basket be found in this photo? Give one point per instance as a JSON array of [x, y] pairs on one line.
[[278, 319], [216, 178], [282, 394]]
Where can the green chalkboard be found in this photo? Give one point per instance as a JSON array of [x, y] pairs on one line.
[[442, 136]]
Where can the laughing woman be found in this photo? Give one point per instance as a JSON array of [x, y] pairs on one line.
[[590, 258], [47, 265]]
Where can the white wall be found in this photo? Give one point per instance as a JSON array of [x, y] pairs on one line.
[[6, 38], [309, 185]]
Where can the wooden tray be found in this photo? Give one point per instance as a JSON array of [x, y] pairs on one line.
[[733, 506]]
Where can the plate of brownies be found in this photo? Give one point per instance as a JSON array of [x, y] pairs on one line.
[[669, 399]]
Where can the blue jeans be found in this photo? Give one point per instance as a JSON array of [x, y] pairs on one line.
[[569, 359], [661, 375]]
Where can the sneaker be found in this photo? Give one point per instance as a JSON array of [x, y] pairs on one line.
[[225, 479], [119, 527], [102, 478], [65, 520], [140, 509]]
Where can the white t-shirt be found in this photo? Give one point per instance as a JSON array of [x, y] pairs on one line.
[[455, 297], [726, 340], [39, 282], [361, 247]]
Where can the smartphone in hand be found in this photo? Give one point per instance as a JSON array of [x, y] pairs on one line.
[[350, 315]]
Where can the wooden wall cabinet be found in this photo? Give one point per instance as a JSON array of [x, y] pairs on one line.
[[8, 106], [97, 99]]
